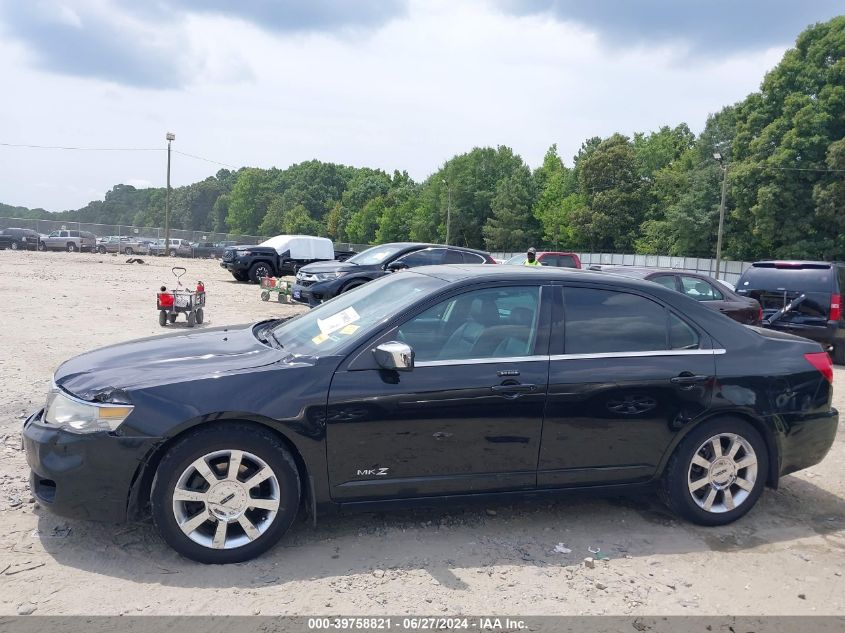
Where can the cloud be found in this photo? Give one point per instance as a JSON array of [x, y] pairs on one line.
[[145, 44], [713, 27]]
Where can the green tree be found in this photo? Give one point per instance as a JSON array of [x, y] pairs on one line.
[[512, 225]]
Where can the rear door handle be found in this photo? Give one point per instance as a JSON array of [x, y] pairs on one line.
[[688, 379]]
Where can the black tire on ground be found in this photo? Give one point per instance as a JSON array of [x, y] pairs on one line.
[[192, 319], [129, 251], [162, 318], [14, 245], [258, 271], [674, 486], [282, 298], [101, 250], [172, 317], [839, 354], [240, 276], [200, 316], [42, 246], [71, 247], [265, 295], [200, 442]]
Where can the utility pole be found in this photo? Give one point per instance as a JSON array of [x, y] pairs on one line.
[[170, 138], [448, 210], [724, 168]]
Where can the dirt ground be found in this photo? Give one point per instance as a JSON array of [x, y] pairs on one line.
[[786, 557]]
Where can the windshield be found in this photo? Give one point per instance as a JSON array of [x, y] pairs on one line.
[[517, 260], [349, 316], [376, 254]]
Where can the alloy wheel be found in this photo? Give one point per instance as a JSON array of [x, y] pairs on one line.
[[226, 499], [722, 473]]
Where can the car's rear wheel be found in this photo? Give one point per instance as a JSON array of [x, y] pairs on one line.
[[258, 271], [101, 250], [717, 472], [128, 251], [226, 494], [71, 247], [14, 245]]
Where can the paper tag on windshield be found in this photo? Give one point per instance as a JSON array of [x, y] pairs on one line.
[[320, 338], [349, 329], [337, 321]]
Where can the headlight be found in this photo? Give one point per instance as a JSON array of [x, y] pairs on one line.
[[79, 416], [243, 253], [327, 276]]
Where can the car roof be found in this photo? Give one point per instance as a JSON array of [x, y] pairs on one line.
[[786, 264], [460, 272]]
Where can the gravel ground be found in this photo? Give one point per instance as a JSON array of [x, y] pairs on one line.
[[786, 557]]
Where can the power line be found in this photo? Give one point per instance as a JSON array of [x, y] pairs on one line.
[[86, 149], [208, 160]]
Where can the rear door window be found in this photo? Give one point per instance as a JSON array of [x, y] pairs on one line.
[[453, 257], [425, 257], [603, 321], [472, 258], [667, 281], [699, 289]]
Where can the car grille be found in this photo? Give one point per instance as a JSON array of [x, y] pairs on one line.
[[228, 255]]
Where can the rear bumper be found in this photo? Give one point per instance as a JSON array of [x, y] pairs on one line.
[[807, 440], [82, 476], [829, 334]]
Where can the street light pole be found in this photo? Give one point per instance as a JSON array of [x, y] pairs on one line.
[[724, 168], [448, 210], [170, 137]]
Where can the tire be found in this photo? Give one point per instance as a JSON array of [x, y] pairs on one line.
[[162, 318], [42, 246], [259, 270], [839, 354], [214, 446], [265, 296], [241, 276], [682, 475], [352, 285], [128, 251], [200, 316], [192, 319], [14, 245], [173, 253], [282, 298], [101, 250], [172, 317], [71, 247]]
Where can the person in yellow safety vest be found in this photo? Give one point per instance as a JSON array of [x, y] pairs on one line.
[[531, 259]]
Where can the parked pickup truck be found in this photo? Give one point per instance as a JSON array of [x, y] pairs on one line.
[[121, 244], [278, 256]]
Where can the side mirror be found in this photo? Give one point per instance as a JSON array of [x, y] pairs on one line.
[[395, 355], [396, 266]]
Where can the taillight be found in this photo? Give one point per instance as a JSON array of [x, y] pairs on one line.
[[822, 362], [835, 308], [760, 315]]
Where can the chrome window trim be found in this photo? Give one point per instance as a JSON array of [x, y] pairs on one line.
[[525, 359], [662, 352]]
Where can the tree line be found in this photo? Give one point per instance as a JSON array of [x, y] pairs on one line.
[[654, 192]]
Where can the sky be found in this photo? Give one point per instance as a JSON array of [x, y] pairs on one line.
[[393, 84]]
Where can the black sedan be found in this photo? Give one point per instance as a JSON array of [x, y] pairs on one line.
[[322, 281], [700, 287], [440, 382]]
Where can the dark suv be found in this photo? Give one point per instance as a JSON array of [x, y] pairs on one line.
[[803, 298], [323, 280], [19, 239]]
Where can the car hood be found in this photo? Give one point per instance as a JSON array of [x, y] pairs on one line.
[[164, 359], [331, 267]]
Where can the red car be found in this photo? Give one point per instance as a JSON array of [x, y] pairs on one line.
[[549, 258]]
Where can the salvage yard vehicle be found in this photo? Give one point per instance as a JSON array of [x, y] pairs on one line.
[[276, 257], [19, 239], [178, 248], [70, 241], [549, 258], [700, 287], [802, 298], [121, 244], [439, 383], [324, 280]]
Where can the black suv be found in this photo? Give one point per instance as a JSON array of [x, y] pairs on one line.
[[19, 239], [323, 280], [803, 298]]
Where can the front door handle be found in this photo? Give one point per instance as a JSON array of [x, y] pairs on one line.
[[687, 379], [514, 390]]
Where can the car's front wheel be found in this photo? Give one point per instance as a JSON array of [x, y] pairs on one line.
[[717, 472], [258, 271], [225, 494], [14, 245]]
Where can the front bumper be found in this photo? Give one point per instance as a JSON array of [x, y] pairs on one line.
[[807, 439], [234, 266], [82, 476]]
